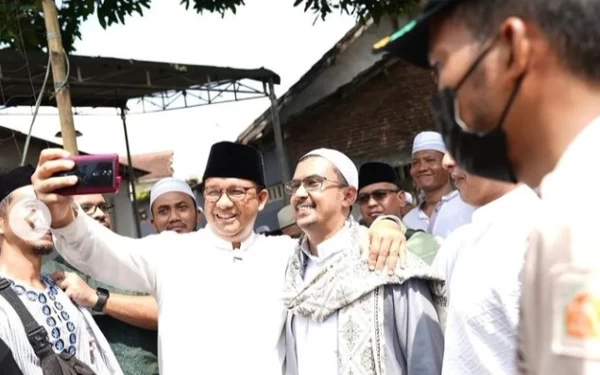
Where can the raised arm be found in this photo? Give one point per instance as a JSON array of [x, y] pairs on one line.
[[116, 260], [119, 261]]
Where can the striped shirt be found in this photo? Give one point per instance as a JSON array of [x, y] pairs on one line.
[[70, 328]]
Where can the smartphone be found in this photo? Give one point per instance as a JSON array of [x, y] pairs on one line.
[[97, 174]]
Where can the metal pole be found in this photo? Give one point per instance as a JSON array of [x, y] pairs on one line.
[[134, 204], [60, 77], [279, 148]]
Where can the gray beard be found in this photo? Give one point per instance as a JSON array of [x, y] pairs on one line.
[[42, 250]]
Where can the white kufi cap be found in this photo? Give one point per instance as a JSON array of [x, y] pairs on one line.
[[429, 141], [341, 162], [168, 185]]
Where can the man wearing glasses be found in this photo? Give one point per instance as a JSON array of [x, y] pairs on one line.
[[343, 319], [218, 288], [129, 321], [379, 194]]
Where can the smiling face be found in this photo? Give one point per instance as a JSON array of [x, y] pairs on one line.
[[383, 198], [427, 171], [231, 206], [175, 211], [324, 207]]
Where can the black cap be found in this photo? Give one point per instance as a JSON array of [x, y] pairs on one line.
[[411, 41], [374, 173], [15, 179], [234, 160]]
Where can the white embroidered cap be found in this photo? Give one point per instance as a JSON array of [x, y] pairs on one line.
[[429, 141], [341, 162], [286, 216], [168, 185], [409, 198]]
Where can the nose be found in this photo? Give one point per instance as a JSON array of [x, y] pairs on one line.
[[224, 201], [372, 202], [99, 214], [301, 192], [448, 162]]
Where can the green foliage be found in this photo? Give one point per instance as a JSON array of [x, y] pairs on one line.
[[22, 23]]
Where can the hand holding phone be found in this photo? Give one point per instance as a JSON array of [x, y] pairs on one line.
[[97, 174]]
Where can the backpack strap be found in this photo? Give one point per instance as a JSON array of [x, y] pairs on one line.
[[36, 334]]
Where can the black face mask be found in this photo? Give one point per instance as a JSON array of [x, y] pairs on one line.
[[483, 155]]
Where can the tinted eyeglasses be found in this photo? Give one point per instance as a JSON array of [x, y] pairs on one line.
[[310, 183], [234, 193], [377, 195]]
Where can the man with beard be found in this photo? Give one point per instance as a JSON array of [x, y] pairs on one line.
[[218, 288], [442, 210], [379, 194], [70, 328], [343, 319], [481, 263], [129, 321], [518, 100], [173, 206]]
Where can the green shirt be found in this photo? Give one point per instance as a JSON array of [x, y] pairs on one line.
[[136, 349]]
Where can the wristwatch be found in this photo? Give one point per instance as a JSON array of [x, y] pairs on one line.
[[103, 295]]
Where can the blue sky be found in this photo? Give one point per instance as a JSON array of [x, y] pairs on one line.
[[269, 33]]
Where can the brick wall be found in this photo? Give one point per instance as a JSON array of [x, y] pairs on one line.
[[376, 120]]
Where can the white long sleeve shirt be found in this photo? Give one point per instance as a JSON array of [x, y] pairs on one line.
[[482, 263], [220, 310]]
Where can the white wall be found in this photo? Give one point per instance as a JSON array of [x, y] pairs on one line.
[[123, 219]]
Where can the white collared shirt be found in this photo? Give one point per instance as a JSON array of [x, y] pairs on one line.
[[482, 263], [450, 213]]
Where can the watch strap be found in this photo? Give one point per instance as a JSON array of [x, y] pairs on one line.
[[103, 295]]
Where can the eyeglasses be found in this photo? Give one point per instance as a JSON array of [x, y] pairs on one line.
[[377, 195], [310, 183], [234, 193], [90, 209]]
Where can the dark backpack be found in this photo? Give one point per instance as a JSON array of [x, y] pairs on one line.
[[51, 362], [410, 232], [8, 366]]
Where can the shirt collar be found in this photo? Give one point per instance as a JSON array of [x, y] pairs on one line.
[[222, 244], [448, 197], [331, 246]]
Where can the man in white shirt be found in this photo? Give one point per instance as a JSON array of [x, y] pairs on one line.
[[70, 328], [519, 93], [481, 263], [218, 288], [442, 210], [344, 320]]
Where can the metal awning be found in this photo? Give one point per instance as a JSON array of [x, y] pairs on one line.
[[110, 82]]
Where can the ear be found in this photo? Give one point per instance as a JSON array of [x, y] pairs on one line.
[[350, 195], [517, 47], [402, 198], [3, 222], [263, 198], [198, 216]]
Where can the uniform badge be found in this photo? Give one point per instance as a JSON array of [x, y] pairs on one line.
[[576, 311]]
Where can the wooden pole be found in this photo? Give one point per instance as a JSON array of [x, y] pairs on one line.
[[59, 76]]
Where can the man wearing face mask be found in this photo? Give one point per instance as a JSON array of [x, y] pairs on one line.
[[518, 100], [233, 315], [442, 210], [173, 206], [481, 263]]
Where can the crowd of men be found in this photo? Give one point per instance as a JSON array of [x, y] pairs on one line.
[[487, 272]]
